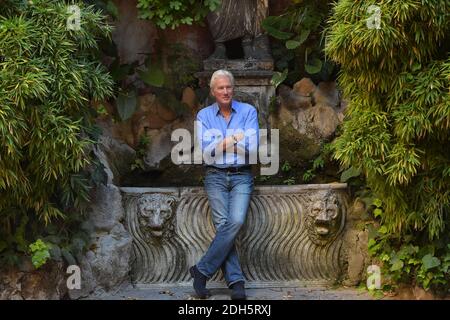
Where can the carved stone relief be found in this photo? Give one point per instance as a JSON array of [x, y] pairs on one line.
[[292, 233]]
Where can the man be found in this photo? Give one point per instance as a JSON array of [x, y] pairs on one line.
[[233, 129]]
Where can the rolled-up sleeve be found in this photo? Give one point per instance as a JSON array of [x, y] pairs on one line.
[[251, 130]]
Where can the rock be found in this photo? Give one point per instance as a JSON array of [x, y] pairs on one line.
[[45, 283], [147, 102], [357, 258], [297, 148], [160, 146], [404, 292], [286, 117], [343, 105], [147, 121], [408, 292], [104, 161], [342, 108], [147, 116], [118, 155], [88, 282], [110, 261], [121, 131], [105, 267], [293, 100], [106, 208], [422, 294], [323, 119], [134, 37], [355, 245], [166, 113], [326, 94], [358, 208], [304, 87], [189, 97]]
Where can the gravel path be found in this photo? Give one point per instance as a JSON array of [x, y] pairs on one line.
[[273, 293]]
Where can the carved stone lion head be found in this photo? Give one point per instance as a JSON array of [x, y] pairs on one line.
[[155, 212], [324, 219]]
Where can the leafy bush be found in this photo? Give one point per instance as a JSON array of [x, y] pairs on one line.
[[411, 258], [49, 75], [174, 13], [40, 253], [298, 45], [397, 80]]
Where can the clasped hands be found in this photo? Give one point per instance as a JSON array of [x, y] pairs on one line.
[[231, 141]]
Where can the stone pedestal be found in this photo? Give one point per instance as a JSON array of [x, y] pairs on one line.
[[252, 82], [293, 234]]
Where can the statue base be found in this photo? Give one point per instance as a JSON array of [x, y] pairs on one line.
[[237, 65]]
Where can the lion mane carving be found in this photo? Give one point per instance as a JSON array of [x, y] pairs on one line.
[[325, 218], [158, 251], [155, 215]]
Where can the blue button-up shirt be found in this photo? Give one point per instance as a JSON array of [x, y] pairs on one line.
[[212, 128]]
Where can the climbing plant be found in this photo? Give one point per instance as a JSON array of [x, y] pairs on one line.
[[48, 75], [298, 44], [174, 13], [395, 72]]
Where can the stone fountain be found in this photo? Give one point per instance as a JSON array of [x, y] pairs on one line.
[[293, 234]]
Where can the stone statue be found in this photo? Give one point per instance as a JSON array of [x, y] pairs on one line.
[[240, 19], [325, 219], [156, 213]]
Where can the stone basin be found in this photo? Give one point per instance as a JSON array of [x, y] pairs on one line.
[[293, 234]]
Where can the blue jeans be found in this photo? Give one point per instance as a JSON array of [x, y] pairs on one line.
[[229, 197]]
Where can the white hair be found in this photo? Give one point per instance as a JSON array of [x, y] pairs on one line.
[[221, 73]]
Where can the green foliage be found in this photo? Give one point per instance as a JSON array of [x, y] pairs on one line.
[[286, 167], [290, 181], [179, 69], [49, 75], [174, 13], [323, 159], [144, 142], [278, 78], [166, 72], [396, 131], [298, 44], [412, 260], [126, 104], [350, 173], [40, 253], [397, 125], [106, 6]]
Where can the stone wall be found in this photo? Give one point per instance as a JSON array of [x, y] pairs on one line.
[[27, 283], [136, 37], [307, 116]]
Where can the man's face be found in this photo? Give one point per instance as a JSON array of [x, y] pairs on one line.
[[222, 91]]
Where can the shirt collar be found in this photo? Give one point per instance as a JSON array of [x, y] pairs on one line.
[[233, 107]]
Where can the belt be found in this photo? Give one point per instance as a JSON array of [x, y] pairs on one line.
[[232, 169]]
